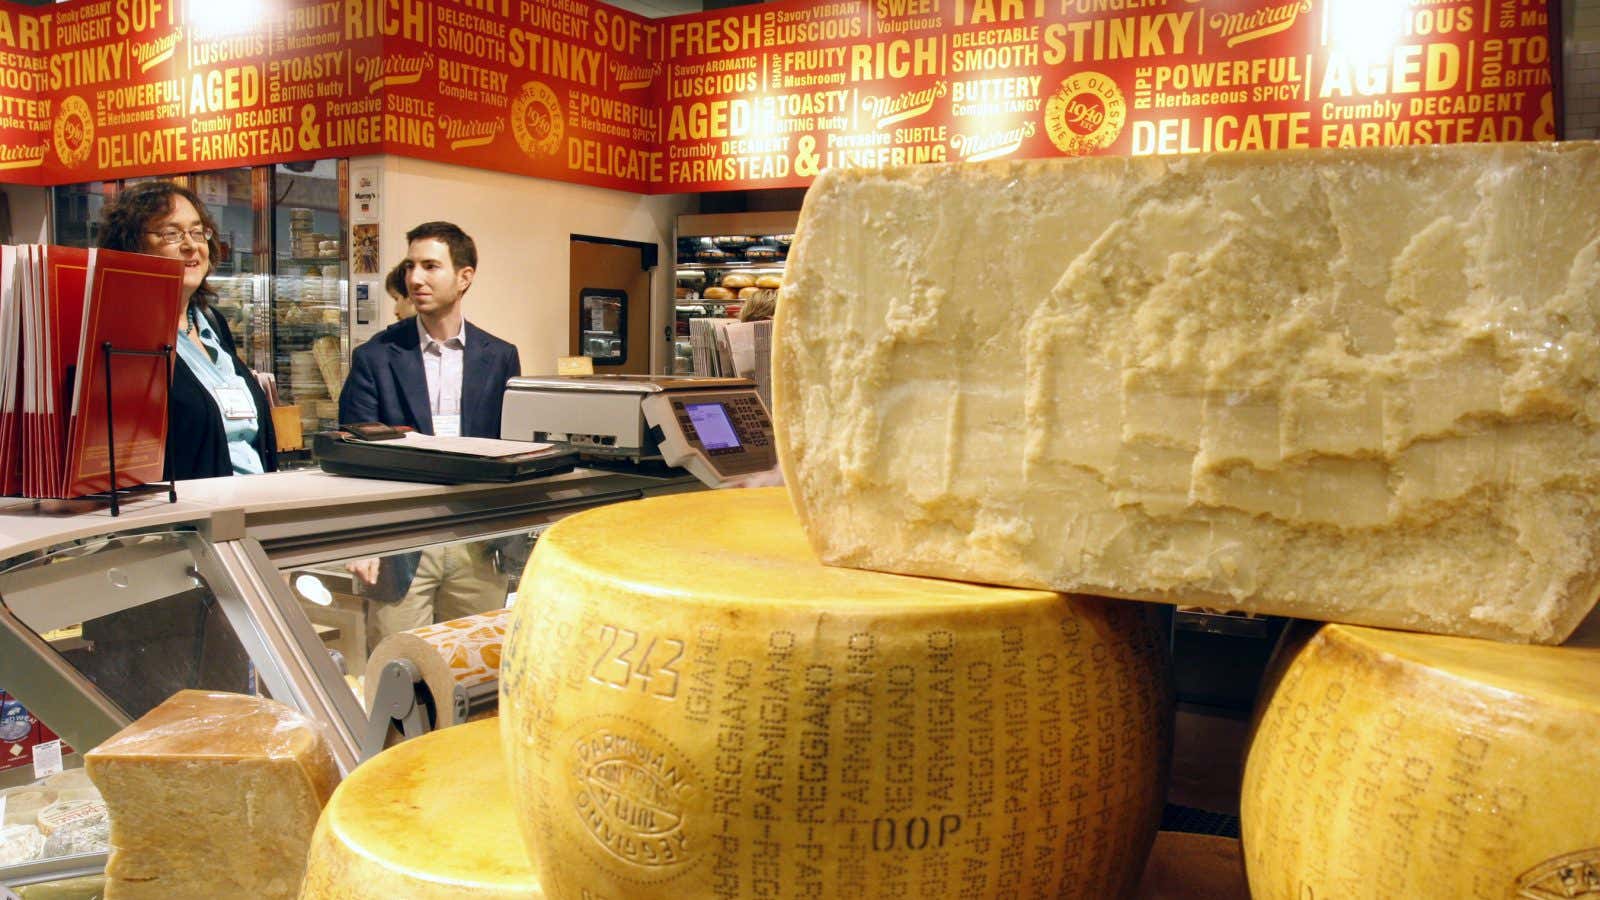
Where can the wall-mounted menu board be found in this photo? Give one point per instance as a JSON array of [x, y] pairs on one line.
[[758, 96]]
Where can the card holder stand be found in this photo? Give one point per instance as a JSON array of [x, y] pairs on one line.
[[108, 352]]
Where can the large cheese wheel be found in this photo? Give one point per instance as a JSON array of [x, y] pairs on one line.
[[1388, 764], [1341, 385], [694, 707], [427, 819]]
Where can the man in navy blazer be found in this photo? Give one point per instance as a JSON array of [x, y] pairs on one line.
[[441, 375], [390, 375]]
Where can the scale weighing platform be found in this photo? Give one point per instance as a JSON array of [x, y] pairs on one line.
[[717, 428]]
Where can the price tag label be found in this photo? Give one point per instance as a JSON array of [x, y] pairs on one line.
[[574, 365], [47, 759]]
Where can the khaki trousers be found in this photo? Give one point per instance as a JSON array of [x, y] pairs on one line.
[[451, 581]]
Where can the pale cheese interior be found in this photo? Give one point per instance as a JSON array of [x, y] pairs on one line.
[[1354, 386]]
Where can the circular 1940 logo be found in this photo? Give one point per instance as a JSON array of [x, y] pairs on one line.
[[536, 120], [629, 788], [1085, 114], [74, 133]]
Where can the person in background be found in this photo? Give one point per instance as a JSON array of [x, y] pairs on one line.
[[395, 284], [438, 374], [219, 421], [760, 307]]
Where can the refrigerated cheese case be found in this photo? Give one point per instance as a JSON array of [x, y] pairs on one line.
[[246, 585]]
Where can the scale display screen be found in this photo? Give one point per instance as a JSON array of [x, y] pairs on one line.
[[711, 423]]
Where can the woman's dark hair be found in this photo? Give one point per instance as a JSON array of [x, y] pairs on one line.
[[395, 283], [127, 218]]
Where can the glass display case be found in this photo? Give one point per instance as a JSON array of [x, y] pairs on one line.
[[281, 276], [309, 290], [249, 585], [722, 261], [238, 273]]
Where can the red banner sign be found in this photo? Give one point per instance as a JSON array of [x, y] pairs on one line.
[[764, 96], [771, 95]]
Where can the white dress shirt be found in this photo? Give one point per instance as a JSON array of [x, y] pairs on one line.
[[442, 362]]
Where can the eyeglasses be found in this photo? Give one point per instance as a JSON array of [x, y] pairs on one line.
[[199, 235]]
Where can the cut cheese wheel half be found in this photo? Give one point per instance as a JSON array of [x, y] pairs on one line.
[[1388, 764], [1341, 385], [427, 819], [693, 706]]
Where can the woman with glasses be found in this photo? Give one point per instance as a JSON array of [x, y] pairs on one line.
[[218, 420]]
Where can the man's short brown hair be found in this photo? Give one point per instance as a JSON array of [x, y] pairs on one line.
[[463, 252]]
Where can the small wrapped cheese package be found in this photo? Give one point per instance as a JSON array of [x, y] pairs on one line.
[[212, 795]]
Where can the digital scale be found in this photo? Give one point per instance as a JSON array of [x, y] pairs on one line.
[[717, 428]]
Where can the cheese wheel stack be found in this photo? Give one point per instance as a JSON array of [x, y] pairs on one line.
[[427, 819], [1388, 764], [693, 706]]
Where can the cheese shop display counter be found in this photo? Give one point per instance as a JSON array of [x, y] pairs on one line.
[[279, 585]]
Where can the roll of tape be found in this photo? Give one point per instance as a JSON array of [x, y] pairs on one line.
[[461, 652]]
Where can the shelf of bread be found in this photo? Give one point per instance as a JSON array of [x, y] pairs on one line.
[[739, 264]]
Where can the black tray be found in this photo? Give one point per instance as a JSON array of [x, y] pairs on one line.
[[339, 454]]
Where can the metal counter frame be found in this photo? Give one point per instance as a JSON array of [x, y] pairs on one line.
[[236, 537]]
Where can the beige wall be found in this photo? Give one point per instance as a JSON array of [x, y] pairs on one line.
[[522, 227], [30, 207]]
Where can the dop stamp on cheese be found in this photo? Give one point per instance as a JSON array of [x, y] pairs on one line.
[[694, 707]]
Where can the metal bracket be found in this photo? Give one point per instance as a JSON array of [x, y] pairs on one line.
[[396, 704]]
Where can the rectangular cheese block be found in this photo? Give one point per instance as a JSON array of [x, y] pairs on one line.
[[1356, 386], [212, 795]]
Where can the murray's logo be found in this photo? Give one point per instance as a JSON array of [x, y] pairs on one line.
[[991, 145], [391, 71], [906, 105], [1242, 27]]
